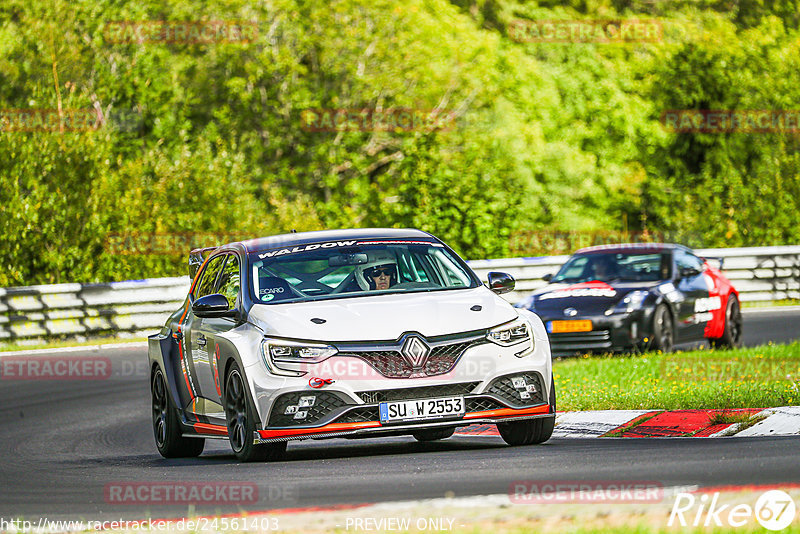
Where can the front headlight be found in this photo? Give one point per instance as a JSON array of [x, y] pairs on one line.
[[277, 353], [631, 302], [514, 333]]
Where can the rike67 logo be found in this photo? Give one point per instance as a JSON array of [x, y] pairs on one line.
[[774, 510]]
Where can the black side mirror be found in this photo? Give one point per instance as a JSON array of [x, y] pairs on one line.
[[689, 272], [547, 277], [210, 306], [501, 282]]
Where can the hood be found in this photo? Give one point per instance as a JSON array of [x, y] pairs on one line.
[[384, 317], [588, 298]]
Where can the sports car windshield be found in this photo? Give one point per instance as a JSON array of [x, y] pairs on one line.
[[611, 267], [343, 269]]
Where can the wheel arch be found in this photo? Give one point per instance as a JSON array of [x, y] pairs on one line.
[[228, 355]]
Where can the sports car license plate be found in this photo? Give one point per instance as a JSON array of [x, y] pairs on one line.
[[392, 412], [560, 327]]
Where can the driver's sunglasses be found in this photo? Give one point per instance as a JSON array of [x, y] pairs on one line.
[[375, 272]]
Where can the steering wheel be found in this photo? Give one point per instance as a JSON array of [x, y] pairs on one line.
[[344, 283]]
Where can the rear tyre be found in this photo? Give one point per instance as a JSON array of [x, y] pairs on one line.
[[167, 426], [434, 434], [241, 422], [663, 330], [532, 431], [732, 336]]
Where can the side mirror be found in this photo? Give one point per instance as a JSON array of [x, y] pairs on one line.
[[501, 282], [547, 277], [211, 306], [689, 272]]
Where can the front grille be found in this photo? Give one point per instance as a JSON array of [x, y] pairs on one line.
[[482, 404], [424, 392], [580, 341], [324, 404], [359, 415], [390, 363], [505, 388], [444, 358]]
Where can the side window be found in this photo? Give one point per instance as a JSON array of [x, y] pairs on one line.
[[575, 268], [205, 286], [229, 281], [686, 260]]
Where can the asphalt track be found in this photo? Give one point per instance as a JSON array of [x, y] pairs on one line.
[[63, 442]]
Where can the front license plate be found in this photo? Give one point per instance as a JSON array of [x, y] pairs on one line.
[[560, 327], [392, 412]]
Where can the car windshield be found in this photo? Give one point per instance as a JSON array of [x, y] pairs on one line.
[[610, 267], [344, 269]]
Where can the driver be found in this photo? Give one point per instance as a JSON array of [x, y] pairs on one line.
[[604, 268], [380, 272]]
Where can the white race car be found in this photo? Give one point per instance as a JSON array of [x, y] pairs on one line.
[[349, 333]]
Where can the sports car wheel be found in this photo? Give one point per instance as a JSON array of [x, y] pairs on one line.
[[531, 431], [663, 330], [434, 434], [240, 418], [732, 336], [166, 426]]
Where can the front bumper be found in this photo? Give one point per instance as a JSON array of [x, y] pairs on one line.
[[610, 333], [522, 394], [375, 428]]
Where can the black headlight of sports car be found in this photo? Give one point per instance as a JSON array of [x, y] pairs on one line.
[[631, 302]]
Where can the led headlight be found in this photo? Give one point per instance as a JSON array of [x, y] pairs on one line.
[[632, 301], [513, 333], [282, 354]]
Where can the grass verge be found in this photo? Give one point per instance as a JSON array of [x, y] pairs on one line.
[[758, 377], [771, 303]]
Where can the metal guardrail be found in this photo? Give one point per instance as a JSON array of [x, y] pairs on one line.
[[79, 309], [760, 274]]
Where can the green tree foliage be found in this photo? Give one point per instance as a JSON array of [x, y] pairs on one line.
[[207, 142], [743, 188]]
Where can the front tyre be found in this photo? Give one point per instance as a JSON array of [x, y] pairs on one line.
[[532, 431], [732, 335], [663, 330], [241, 422], [167, 427]]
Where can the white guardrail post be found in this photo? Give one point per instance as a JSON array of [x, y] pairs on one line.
[[759, 273]]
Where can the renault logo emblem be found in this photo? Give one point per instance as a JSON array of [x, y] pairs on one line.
[[415, 351]]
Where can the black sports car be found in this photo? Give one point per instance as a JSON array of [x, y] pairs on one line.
[[636, 296]]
